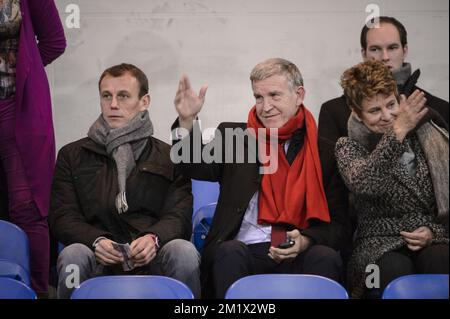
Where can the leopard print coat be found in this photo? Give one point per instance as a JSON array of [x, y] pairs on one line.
[[387, 198]]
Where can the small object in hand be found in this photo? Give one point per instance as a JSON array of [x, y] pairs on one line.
[[287, 244], [125, 250]]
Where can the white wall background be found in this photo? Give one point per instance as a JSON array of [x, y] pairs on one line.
[[219, 41]]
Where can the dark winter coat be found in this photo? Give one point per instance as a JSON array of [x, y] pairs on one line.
[[85, 187]]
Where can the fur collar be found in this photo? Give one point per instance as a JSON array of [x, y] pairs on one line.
[[359, 132]]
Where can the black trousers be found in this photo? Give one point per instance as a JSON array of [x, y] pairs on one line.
[[433, 259], [233, 260]]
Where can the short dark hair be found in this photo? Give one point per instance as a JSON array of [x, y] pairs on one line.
[[383, 19], [120, 69]]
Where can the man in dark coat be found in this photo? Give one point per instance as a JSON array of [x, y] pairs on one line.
[[269, 218], [387, 43], [118, 203]]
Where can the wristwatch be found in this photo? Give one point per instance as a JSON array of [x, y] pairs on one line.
[[155, 240]]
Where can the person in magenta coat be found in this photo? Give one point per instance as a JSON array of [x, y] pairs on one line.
[[31, 36]]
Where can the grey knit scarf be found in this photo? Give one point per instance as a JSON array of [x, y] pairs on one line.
[[125, 145], [402, 74], [434, 142]]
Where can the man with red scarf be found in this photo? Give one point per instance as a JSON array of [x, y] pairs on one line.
[[256, 212]]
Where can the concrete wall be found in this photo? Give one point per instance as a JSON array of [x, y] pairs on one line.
[[219, 41]]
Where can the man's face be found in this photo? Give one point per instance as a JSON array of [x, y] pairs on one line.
[[119, 99], [276, 100], [383, 44]]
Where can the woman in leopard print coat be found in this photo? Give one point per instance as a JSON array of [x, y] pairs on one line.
[[395, 163]]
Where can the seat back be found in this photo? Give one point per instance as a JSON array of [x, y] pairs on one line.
[[132, 287], [19, 251], [201, 223], [421, 286], [204, 193], [14, 271], [286, 286], [13, 289]]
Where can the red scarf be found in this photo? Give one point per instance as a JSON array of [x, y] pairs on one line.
[[293, 194]]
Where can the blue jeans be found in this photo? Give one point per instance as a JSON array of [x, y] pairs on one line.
[[178, 259]]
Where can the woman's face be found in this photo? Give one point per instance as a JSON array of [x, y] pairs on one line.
[[379, 112]]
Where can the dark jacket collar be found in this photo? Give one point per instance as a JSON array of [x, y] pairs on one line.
[[94, 147], [157, 162]]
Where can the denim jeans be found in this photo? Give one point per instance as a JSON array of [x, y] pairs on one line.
[[178, 259]]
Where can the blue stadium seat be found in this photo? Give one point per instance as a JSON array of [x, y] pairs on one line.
[[421, 286], [17, 253], [201, 222], [13, 289], [14, 271], [60, 247], [286, 286], [132, 287], [204, 193]]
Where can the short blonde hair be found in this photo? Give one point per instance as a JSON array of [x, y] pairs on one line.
[[366, 80], [277, 66]]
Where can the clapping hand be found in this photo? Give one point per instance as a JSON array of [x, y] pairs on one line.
[[410, 112]]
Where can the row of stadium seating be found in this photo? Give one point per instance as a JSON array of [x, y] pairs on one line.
[[15, 278], [270, 286]]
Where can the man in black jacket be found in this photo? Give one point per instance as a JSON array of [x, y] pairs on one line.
[[118, 203], [387, 43], [269, 218]]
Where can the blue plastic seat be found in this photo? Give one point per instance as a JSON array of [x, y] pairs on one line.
[[420, 286], [204, 193], [60, 247], [13, 289], [201, 223], [286, 286], [14, 271], [132, 287], [17, 253]]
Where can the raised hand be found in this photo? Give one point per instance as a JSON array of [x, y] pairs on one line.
[[411, 111], [187, 103]]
